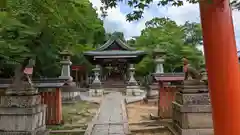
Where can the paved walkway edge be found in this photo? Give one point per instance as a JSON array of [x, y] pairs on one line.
[[124, 122], [92, 123]]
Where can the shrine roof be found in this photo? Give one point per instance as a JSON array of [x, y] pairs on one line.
[[113, 39], [114, 53], [115, 47]]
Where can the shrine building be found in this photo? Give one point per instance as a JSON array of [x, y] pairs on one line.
[[115, 61]]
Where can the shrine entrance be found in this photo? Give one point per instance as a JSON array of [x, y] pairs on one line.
[[113, 61], [115, 69]]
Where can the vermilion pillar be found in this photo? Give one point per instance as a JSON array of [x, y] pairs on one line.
[[222, 65], [58, 106]]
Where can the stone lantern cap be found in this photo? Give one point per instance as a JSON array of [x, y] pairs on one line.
[[65, 53], [158, 52], [66, 57]]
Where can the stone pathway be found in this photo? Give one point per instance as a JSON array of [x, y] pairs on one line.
[[112, 117]]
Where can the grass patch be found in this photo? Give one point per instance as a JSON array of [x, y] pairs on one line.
[[76, 116], [79, 113]]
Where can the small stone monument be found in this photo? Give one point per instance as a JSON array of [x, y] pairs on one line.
[[133, 88], [192, 113], [96, 86], [21, 111]]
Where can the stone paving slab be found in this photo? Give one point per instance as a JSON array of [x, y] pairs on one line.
[[112, 117]]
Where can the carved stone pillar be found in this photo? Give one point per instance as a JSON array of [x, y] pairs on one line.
[[96, 86], [21, 111], [192, 114]]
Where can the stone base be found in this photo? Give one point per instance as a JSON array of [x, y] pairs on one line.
[[96, 92], [40, 131], [196, 131], [198, 118], [70, 96], [22, 115], [22, 119], [134, 91]]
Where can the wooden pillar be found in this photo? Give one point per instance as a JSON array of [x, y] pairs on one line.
[[58, 106], [222, 65]]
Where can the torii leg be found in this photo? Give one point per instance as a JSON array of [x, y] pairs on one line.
[[222, 65]]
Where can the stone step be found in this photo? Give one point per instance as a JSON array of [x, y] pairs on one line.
[[193, 89], [192, 120], [199, 131], [191, 108]]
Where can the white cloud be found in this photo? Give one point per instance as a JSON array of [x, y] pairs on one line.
[[116, 21]]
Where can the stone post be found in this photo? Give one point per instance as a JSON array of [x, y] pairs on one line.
[[21, 110], [192, 114], [96, 86]]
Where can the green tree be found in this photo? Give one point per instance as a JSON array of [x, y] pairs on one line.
[[171, 38], [41, 29], [193, 33]]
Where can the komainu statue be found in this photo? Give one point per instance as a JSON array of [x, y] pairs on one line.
[[192, 73], [22, 83]]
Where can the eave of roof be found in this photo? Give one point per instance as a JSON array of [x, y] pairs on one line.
[[114, 53]]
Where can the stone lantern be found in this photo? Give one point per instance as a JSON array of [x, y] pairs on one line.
[[133, 88], [96, 71], [66, 63], [132, 80], [158, 55], [96, 86]]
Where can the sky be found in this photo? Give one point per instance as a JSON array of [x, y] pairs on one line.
[[116, 19]]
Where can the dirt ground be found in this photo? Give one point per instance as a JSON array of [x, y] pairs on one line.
[[141, 113]]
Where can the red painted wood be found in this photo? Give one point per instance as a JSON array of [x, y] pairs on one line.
[[222, 65], [54, 106], [166, 97]]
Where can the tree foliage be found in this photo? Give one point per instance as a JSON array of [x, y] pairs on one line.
[[43, 28], [177, 41], [139, 6]]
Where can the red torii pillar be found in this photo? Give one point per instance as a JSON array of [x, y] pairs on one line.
[[222, 65]]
